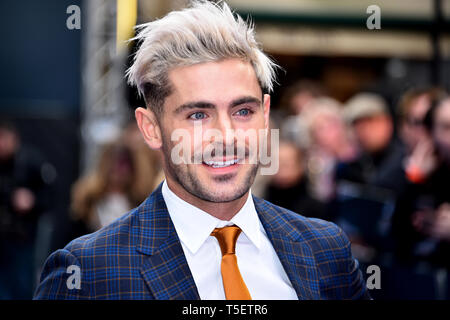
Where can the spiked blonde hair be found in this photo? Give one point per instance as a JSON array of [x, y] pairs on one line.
[[204, 32]]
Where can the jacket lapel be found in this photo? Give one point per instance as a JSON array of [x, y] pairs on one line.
[[295, 254], [164, 268]]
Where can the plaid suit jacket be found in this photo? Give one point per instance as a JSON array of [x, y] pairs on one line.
[[139, 256]]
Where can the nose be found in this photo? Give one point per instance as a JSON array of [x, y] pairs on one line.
[[225, 126]]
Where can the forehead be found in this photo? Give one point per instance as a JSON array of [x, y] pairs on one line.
[[217, 82]]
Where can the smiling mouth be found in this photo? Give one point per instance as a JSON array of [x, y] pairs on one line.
[[221, 164]]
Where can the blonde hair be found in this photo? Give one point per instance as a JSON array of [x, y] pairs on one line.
[[322, 106], [318, 108], [204, 32]]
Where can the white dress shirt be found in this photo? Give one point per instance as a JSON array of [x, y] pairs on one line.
[[258, 262]]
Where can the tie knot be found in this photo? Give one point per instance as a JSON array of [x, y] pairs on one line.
[[227, 238]]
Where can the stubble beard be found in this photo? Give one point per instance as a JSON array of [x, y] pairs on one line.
[[192, 184]]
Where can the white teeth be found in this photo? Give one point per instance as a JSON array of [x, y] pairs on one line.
[[221, 164]]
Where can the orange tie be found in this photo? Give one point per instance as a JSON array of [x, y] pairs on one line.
[[234, 285]]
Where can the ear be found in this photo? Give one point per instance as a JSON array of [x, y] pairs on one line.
[[149, 127], [266, 105]]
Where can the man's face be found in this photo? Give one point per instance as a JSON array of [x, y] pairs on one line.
[[374, 133], [217, 97]]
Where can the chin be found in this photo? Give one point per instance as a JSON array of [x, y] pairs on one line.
[[224, 191], [225, 196]]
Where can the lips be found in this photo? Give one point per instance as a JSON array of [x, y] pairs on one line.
[[221, 164]]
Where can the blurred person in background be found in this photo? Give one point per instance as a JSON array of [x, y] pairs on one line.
[[25, 181], [380, 159], [125, 175], [330, 143], [294, 102], [289, 187], [298, 95], [421, 221], [413, 107]]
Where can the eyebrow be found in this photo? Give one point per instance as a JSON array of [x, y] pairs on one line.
[[209, 105]]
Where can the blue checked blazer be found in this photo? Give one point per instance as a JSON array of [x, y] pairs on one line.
[[139, 256]]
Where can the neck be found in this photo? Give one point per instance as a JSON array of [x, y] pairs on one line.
[[221, 210]]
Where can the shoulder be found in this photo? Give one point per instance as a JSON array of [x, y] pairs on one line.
[[317, 232], [340, 277], [121, 232], [90, 261]]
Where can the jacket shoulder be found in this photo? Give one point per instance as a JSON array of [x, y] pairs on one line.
[[340, 277], [120, 232], [82, 269], [314, 231]]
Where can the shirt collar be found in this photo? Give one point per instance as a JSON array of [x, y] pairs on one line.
[[194, 225]]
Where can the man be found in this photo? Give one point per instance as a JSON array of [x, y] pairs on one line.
[[380, 163], [200, 234], [367, 186]]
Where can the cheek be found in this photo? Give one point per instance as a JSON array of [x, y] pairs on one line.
[[360, 131], [367, 131]]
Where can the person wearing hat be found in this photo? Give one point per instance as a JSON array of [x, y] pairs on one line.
[[381, 154]]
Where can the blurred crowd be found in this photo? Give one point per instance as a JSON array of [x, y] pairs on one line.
[[380, 171]]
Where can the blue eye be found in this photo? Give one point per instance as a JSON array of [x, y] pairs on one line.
[[197, 116], [244, 112]]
